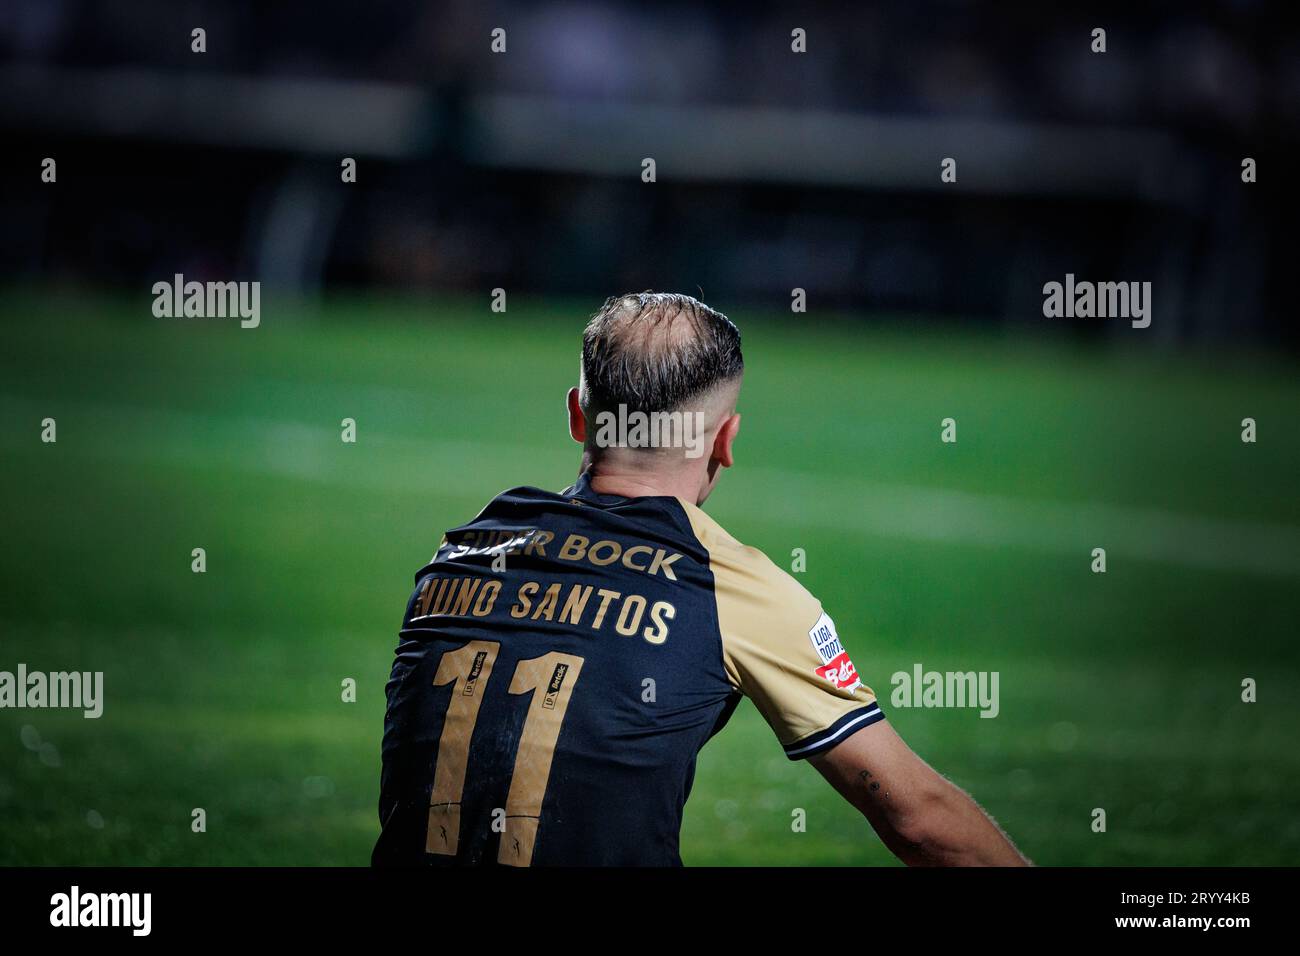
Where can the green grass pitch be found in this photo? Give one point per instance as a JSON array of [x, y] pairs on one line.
[[1119, 691]]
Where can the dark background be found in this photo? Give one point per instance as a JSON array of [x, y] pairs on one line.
[[521, 170]]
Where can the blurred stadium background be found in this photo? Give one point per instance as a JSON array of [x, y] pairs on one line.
[[776, 171]]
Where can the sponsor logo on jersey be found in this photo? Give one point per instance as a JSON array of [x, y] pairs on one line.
[[475, 672], [553, 689], [836, 666]]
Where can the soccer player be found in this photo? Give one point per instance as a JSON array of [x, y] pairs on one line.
[[564, 656]]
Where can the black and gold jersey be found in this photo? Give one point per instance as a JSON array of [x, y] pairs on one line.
[[563, 659]]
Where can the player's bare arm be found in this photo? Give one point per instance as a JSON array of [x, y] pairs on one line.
[[924, 819]]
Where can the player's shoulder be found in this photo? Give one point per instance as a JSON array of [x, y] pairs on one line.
[[744, 572], [513, 505], [521, 494]]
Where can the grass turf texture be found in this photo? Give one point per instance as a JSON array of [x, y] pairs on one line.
[[1119, 691]]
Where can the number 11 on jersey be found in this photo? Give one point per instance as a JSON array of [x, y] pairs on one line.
[[551, 679]]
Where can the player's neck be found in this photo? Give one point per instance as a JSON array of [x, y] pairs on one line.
[[607, 479]]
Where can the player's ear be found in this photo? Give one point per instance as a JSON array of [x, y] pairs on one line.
[[577, 420], [722, 441]]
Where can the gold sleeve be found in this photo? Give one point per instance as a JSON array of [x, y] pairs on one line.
[[781, 649]]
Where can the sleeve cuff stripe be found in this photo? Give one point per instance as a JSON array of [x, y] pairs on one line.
[[825, 739]]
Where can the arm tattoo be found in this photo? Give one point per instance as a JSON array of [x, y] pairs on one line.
[[872, 785]]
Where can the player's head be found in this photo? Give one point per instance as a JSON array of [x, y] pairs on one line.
[[657, 395]]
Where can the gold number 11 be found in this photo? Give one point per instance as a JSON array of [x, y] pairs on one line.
[[551, 677]]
